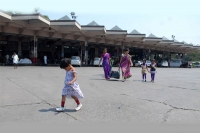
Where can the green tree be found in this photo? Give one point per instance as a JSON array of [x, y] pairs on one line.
[[47, 17], [17, 12], [194, 56], [9, 12], [14, 12], [36, 10]]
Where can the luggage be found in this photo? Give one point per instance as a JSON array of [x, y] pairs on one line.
[[115, 74]]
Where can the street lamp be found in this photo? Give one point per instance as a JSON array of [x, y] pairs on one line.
[[173, 37], [73, 15]]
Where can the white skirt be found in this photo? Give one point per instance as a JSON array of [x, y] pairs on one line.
[[15, 62], [73, 90]]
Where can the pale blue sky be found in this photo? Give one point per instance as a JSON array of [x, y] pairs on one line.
[[160, 17]]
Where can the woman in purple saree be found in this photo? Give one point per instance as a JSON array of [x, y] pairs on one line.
[[125, 64], [106, 63]]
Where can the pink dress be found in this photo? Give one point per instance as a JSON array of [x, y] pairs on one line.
[[125, 66]]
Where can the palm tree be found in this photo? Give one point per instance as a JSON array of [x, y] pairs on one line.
[[36, 10]]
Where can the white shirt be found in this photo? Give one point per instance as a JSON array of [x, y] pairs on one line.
[[15, 58], [45, 57]]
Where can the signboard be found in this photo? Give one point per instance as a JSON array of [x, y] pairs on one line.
[[3, 42]]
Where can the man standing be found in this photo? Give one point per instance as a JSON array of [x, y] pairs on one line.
[[15, 60], [45, 59], [7, 59]]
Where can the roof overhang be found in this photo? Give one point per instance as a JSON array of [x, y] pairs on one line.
[[4, 15], [197, 47], [135, 35], [93, 28], [177, 44], [30, 17], [65, 25], [116, 32], [151, 39], [92, 31], [167, 42], [116, 35], [186, 46]]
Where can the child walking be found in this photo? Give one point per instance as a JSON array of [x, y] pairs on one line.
[[153, 70], [144, 70], [71, 87]]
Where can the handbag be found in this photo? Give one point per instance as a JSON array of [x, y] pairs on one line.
[[115, 74]]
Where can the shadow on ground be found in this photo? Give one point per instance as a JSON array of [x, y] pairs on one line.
[[107, 80], [54, 110]]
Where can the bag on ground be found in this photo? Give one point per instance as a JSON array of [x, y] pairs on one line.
[[115, 74]]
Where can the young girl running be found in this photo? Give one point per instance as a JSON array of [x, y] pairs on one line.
[[144, 70], [71, 88], [153, 70]]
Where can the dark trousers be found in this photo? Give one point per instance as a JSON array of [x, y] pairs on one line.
[[152, 76], [144, 76]]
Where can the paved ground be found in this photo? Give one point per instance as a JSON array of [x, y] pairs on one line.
[[30, 94]]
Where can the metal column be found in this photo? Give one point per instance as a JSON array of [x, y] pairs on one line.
[[35, 52]]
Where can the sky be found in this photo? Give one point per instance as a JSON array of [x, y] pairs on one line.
[[180, 18]]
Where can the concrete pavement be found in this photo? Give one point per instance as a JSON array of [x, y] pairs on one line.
[[31, 93]]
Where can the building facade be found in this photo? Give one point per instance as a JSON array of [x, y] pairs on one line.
[[33, 36]]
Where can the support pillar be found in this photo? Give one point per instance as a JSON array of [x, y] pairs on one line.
[[62, 51], [122, 47], [149, 54], [143, 54], [163, 56], [35, 51], [117, 52], [183, 56], [96, 52], [81, 52], [19, 48], [86, 52], [169, 58]]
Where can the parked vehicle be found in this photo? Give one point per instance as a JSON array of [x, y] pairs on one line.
[[164, 63], [186, 65], [148, 63], [25, 61], [76, 61], [196, 64], [96, 61], [175, 63], [136, 63], [159, 63]]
